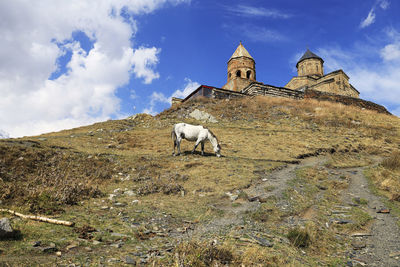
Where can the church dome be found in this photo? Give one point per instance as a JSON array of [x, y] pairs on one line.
[[241, 52], [307, 55]]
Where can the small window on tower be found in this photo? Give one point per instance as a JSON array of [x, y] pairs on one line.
[[248, 74], [317, 68], [230, 74], [238, 73]]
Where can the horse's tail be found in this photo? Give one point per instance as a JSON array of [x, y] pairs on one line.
[[173, 134]]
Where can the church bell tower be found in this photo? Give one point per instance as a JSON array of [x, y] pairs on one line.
[[241, 70]]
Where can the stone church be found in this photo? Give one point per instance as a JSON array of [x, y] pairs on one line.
[[310, 75], [309, 82]]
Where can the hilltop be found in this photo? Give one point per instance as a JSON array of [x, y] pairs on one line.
[[297, 179]]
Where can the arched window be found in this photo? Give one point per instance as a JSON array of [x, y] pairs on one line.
[[317, 68], [238, 73], [302, 70], [248, 74], [230, 75]]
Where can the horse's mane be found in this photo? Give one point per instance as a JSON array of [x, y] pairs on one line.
[[212, 134]]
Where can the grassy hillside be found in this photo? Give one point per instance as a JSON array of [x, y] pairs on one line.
[[193, 210]]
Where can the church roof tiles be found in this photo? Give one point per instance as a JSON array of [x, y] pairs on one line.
[[241, 52], [308, 54]]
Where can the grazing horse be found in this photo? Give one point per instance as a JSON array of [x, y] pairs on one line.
[[196, 133]]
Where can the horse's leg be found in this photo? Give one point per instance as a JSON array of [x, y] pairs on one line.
[[202, 148], [173, 154], [195, 146], [178, 144]]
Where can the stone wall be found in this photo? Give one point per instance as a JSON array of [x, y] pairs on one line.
[[346, 100], [258, 88], [243, 64], [336, 82], [299, 82], [237, 84]]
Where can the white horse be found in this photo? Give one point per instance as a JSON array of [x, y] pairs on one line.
[[196, 133]]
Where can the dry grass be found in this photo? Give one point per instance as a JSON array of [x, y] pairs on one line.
[[257, 135], [386, 177], [47, 178]]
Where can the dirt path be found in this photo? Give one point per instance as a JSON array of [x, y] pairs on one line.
[[257, 193], [383, 245]]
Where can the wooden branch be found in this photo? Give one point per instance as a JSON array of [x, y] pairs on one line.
[[38, 218]]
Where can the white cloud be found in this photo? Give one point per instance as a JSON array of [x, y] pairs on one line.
[[30, 36], [384, 4], [144, 59], [189, 87], [255, 33], [251, 11], [372, 70], [391, 52], [158, 98], [369, 19]]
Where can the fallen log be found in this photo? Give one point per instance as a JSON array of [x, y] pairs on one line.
[[38, 218]]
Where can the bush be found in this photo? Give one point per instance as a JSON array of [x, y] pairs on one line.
[[392, 162], [299, 237], [202, 254]]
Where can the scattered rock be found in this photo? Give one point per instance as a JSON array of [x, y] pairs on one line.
[[135, 201], [321, 187], [120, 204], [130, 261], [262, 241], [36, 243], [49, 249], [130, 193], [341, 221], [358, 244], [112, 197], [6, 230], [202, 116], [118, 235], [58, 253], [72, 246], [104, 208], [384, 210], [252, 199], [360, 234], [95, 242], [394, 254], [116, 245], [88, 249]]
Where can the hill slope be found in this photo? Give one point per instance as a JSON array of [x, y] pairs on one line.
[[282, 193]]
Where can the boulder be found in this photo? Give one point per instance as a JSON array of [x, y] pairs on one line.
[[6, 230], [202, 116]]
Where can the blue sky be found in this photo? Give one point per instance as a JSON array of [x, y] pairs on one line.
[[71, 63]]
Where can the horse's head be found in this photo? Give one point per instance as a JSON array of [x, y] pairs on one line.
[[217, 150]]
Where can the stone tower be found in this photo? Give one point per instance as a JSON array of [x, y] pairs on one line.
[[241, 70], [310, 65]]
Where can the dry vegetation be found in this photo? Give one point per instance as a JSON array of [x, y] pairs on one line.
[[386, 177], [71, 173]]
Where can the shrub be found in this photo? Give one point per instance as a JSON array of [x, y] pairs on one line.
[[392, 162], [299, 237]]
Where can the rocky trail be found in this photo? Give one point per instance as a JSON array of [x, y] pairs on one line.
[[379, 246]]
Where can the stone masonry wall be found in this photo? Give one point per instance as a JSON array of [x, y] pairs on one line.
[[309, 67], [346, 100]]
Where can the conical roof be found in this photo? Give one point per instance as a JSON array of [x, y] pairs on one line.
[[241, 52], [308, 54]]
